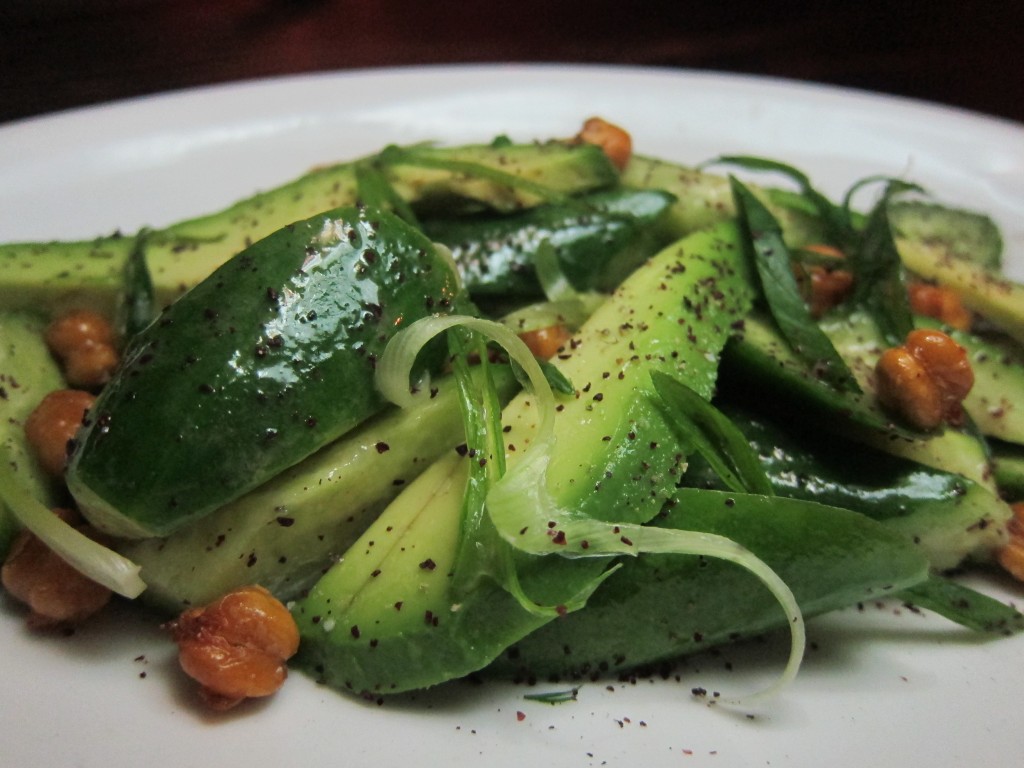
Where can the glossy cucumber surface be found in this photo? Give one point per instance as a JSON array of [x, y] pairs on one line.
[[946, 516], [265, 361], [597, 240]]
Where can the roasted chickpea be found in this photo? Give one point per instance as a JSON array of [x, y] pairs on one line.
[[53, 423], [56, 593], [824, 249], [905, 387], [615, 141], [237, 646], [946, 361], [73, 329], [545, 342], [1011, 555], [84, 342], [941, 303], [926, 379], [828, 288], [91, 366]]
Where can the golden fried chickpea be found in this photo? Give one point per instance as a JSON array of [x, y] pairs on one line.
[[824, 249], [926, 379], [75, 328], [941, 303], [1011, 555], [84, 342], [545, 342], [615, 141], [237, 646], [56, 593], [828, 288], [53, 423], [946, 361], [91, 366], [904, 386]]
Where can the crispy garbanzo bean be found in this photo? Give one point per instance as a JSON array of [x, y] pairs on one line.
[[1011, 555], [941, 303], [56, 593], [84, 342], [827, 288], [237, 646], [545, 342], [53, 423], [615, 141], [925, 380]]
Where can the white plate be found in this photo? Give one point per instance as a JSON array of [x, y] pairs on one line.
[[877, 688]]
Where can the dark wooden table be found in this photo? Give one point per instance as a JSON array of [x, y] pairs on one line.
[[58, 54]]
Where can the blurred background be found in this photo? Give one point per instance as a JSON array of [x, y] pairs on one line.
[[59, 54]]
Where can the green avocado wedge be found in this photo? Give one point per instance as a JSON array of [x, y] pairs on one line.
[[391, 616], [51, 277]]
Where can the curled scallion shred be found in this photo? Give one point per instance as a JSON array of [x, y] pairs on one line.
[[92, 559], [523, 512]]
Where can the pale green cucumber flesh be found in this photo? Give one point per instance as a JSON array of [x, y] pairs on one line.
[[965, 234], [704, 199]]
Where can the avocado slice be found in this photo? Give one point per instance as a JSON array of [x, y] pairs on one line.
[[999, 300], [28, 372], [386, 618], [286, 533], [54, 276]]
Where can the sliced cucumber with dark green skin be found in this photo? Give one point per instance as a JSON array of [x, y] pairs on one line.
[[659, 607], [760, 356], [1008, 467], [597, 239], [257, 367], [54, 276], [948, 517], [28, 372]]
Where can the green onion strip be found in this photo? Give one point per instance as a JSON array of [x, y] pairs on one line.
[[528, 518], [102, 565]]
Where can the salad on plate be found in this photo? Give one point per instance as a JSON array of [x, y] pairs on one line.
[[541, 411]]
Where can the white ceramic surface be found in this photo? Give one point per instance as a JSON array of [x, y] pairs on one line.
[[881, 686]]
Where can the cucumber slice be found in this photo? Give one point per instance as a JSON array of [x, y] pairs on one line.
[[264, 362]]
